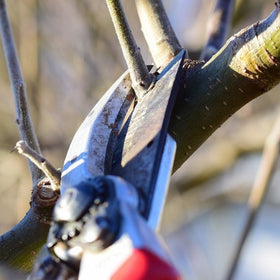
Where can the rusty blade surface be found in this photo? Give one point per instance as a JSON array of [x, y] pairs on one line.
[[151, 114], [86, 156], [142, 139]]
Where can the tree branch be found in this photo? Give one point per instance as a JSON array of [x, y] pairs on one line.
[[19, 246], [140, 76], [158, 32], [259, 190], [23, 118], [247, 66], [43, 164], [217, 27]]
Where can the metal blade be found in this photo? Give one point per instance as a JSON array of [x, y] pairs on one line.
[[162, 183], [151, 114], [86, 156], [142, 139]]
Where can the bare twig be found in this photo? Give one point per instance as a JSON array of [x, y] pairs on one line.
[[259, 190], [140, 76], [23, 118], [158, 31], [217, 28], [49, 170]]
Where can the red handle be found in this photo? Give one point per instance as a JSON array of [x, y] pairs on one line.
[[144, 265]]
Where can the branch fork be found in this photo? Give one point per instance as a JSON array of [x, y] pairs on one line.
[[44, 165]]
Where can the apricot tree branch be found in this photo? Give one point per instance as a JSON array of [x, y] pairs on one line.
[[23, 118], [43, 164], [20, 245], [247, 66], [217, 27], [158, 32], [260, 187], [140, 76]]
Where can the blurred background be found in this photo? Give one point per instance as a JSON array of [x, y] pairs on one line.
[[70, 56]]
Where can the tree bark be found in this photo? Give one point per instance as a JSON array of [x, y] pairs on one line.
[[247, 66], [19, 246]]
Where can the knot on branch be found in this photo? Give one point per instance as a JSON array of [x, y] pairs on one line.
[[192, 64], [43, 200]]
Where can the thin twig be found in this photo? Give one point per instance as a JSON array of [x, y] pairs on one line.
[[261, 185], [217, 27], [140, 76], [49, 170], [158, 32], [23, 118]]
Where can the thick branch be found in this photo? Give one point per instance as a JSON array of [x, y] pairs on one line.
[[246, 67], [217, 27], [19, 246], [23, 118], [158, 32]]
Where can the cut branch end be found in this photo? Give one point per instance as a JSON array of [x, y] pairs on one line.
[[48, 169]]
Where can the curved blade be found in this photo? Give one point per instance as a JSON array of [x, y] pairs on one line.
[[86, 156]]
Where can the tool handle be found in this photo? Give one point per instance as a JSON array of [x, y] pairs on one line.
[[143, 264], [137, 254]]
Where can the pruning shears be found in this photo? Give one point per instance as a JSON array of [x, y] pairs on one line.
[[113, 187]]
